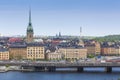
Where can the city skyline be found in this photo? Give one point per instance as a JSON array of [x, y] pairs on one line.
[[96, 17]]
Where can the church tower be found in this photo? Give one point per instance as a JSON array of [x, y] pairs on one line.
[[30, 31]]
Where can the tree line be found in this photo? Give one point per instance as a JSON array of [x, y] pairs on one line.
[[109, 38]]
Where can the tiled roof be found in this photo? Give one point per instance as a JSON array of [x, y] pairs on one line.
[[35, 44], [72, 47], [3, 49], [17, 46]]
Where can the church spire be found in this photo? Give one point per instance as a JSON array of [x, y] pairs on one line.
[[30, 32], [30, 17], [30, 28]]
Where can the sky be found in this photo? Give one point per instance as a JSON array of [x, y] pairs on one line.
[[49, 17]]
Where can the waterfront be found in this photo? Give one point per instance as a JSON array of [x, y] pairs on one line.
[[87, 75]]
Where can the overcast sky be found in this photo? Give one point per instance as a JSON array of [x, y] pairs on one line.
[[96, 17]]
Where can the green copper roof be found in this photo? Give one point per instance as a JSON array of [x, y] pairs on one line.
[[30, 28]]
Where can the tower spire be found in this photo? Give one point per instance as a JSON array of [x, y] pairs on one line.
[[29, 15], [30, 31]]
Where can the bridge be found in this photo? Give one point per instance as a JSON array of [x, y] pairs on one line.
[[52, 66]]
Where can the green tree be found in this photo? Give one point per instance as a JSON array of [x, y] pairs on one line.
[[7, 65], [91, 56]]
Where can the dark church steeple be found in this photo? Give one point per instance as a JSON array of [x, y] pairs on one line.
[[30, 31], [30, 28], [30, 16]]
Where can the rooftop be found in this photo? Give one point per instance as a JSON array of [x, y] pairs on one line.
[[18, 45], [35, 44], [3, 49], [73, 47]]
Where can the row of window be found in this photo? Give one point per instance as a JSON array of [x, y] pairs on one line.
[[35, 48], [35, 52], [3, 55], [35, 56]]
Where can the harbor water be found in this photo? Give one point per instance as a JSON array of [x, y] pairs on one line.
[[88, 74]]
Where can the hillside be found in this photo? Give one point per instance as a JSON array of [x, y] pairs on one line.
[[110, 38]]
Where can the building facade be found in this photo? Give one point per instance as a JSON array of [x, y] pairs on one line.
[[35, 51], [118, 50], [54, 56], [93, 48], [73, 53], [110, 51], [4, 54], [18, 52]]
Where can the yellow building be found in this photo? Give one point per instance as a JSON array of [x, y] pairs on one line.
[[117, 50], [35, 51], [4, 54], [110, 51], [93, 48], [73, 53], [18, 52]]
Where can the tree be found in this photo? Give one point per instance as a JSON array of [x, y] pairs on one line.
[[7, 65], [11, 57], [91, 56]]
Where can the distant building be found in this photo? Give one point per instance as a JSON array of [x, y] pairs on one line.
[[117, 50], [110, 50], [30, 31], [73, 53], [4, 54], [93, 47], [60, 34], [4, 42], [54, 55], [18, 51], [35, 51]]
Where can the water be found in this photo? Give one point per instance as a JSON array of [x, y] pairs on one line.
[[99, 75]]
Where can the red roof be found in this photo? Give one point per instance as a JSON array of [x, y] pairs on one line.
[[15, 40]]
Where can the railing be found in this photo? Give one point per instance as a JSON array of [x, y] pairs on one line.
[[58, 64]]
